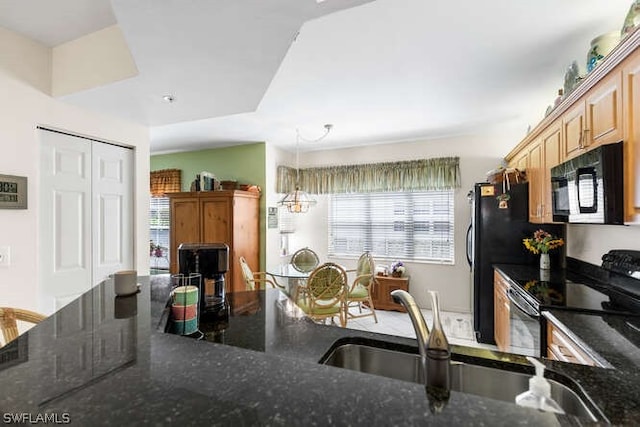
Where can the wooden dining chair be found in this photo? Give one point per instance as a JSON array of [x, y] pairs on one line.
[[259, 278], [8, 321], [325, 294], [305, 260], [360, 290]]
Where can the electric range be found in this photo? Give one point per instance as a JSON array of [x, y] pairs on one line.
[[611, 288]]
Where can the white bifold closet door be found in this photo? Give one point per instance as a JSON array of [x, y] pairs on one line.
[[86, 215]]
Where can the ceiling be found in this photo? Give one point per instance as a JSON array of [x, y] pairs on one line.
[[378, 70]]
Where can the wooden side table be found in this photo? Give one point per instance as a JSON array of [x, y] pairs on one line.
[[381, 294]]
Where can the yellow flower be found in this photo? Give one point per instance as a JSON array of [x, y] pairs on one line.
[[542, 241]]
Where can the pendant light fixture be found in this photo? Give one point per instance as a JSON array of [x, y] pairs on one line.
[[299, 201]]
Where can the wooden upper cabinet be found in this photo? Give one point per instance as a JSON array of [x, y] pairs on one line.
[[631, 134], [604, 111], [520, 160], [551, 145], [596, 119], [573, 125], [535, 176]]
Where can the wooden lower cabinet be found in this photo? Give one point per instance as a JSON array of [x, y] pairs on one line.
[[381, 293], [501, 313], [561, 347]]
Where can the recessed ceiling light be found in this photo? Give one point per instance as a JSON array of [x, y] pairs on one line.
[[168, 98]]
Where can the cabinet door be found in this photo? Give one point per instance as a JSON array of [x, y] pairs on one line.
[[535, 177], [573, 125], [519, 161], [551, 152], [382, 289], [216, 220], [604, 106], [502, 313], [631, 118], [185, 226], [561, 347], [216, 228], [246, 237]]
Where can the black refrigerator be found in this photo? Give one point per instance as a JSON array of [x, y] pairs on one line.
[[495, 237]]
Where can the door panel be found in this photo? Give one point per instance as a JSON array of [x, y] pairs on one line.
[[86, 215], [185, 226], [216, 221], [65, 219], [112, 189]]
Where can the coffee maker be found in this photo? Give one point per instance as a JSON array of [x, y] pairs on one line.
[[211, 260]]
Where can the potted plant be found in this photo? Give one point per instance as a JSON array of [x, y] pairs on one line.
[[397, 269]]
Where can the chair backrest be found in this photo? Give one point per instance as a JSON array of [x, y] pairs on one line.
[[247, 274], [305, 260], [365, 269], [8, 318], [327, 284]]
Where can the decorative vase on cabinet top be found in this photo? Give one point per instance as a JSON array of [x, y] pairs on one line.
[[632, 19], [601, 46]]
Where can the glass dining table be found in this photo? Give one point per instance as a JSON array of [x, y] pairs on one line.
[[291, 278], [288, 276]]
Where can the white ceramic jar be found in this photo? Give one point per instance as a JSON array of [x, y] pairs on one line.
[[601, 46]]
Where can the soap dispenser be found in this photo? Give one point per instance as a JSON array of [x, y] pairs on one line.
[[539, 394]]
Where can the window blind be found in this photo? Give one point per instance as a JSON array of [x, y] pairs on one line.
[[159, 222], [416, 226]]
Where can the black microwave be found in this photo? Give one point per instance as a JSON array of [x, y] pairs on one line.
[[589, 188]]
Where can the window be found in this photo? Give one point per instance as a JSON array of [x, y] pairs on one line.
[[414, 226], [159, 232]]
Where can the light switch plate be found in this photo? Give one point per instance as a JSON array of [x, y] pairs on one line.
[[5, 256]]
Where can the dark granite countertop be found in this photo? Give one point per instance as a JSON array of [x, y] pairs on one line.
[[104, 360]]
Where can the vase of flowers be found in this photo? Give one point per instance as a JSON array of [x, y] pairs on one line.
[[541, 243], [397, 269]]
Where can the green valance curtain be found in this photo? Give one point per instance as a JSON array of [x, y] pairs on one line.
[[413, 175]]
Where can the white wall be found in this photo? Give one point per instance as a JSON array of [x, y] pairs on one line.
[[273, 157], [26, 104], [589, 242], [478, 154]]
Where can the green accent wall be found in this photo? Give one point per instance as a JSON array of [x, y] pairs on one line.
[[242, 163]]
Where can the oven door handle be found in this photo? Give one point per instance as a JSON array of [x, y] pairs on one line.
[[531, 313]]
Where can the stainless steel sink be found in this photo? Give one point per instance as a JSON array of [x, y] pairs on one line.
[[492, 383]]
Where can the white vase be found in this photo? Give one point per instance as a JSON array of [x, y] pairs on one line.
[[545, 262], [545, 275]]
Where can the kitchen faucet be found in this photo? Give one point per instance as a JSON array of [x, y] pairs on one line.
[[419, 324], [435, 355]]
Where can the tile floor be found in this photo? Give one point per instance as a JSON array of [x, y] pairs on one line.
[[458, 327]]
